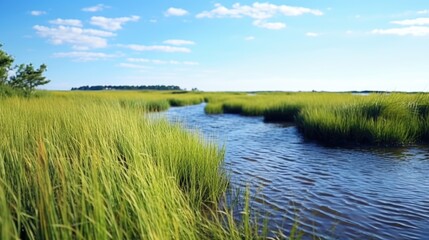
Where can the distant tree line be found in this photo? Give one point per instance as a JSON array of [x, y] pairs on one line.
[[126, 87]]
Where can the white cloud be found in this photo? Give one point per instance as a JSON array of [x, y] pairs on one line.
[[249, 38], [417, 31], [80, 39], [96, 8], [256, 11], [426, 11], [175, 12], [178, 42], [159, 48], [112, 24], [83, 56], [98, 33], [411, 22], [140, 60], [132, 65], [312, 34], [269, 25], [67, 22], [157, 61], [37, 13]]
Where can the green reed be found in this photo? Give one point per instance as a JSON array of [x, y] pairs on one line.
[[85, 167]]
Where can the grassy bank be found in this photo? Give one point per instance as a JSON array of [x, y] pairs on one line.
[[337, 118], [142, 100], [89, 167], [331, 118]]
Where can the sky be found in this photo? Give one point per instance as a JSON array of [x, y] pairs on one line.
[[295, 45]]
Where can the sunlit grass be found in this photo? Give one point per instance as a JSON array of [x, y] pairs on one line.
[[146, 105], [83, 166], [379, 120], [333, 118], [337, 118]]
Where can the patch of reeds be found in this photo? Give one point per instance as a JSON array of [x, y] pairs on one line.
[[185, 99], [213, 108], [375, 122], [77, 169], [337, 118], [146, 105], [232, 108], [282, 113], [375, 119]]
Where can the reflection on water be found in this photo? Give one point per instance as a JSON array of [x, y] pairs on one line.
[[357, 193]]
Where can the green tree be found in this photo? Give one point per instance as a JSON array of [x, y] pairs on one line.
[[27, 78], [5, 65]]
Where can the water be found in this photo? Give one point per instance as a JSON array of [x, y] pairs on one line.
[[336, 193]]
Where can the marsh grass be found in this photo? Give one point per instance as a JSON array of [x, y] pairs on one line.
[[332, 118], [184, 99], [86, 167], [282, 113], [146, 106], [379, 120], [213, 109], [337, 118]]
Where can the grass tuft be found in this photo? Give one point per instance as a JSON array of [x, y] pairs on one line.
[[92, 166]]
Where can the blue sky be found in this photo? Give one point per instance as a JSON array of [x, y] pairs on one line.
[[331, 45]]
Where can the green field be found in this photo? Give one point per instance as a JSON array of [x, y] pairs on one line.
[[92, 165], [337, 118], [377, 119], [380, 119]]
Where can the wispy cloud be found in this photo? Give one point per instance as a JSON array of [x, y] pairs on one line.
[[425, 11], [133, 65], [269, 25], [417, 31], [37, 13], [177, 12], [409, 27], [249, 38], [67, 22], [412, 22], [96, 8], [157, 61], [178, 42], [84, 56], [312, 34], [260, 12], [112, 24], [158, 48], [256, 11], [79, 38]]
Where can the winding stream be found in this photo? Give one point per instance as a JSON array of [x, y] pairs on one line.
[[336, 193]]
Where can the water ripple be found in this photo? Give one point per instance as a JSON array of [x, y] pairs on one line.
[[333, 193]]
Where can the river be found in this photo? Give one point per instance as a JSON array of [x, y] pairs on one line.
[[333, 193]]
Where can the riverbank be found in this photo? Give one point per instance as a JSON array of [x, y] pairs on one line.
[[347, 192], [91, 167], [385, 119], [336, 119]]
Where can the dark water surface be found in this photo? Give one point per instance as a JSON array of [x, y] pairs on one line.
[[336, 193]]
